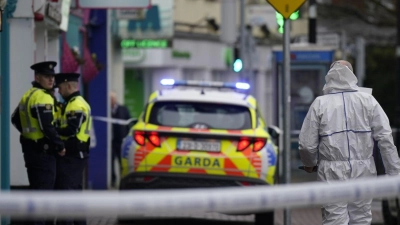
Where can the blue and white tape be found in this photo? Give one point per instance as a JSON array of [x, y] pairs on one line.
[[113, 120], [225, 200]]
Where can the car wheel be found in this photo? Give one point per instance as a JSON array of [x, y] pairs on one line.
[[388, 218], [266, 218]]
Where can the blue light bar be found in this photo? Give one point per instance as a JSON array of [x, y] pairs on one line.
[[167, 81], [243, 86], [210, 84]]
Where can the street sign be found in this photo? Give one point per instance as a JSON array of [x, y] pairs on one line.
[[326, 39], [286, 7]]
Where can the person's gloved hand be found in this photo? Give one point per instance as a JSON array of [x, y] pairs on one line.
[[309, 169]]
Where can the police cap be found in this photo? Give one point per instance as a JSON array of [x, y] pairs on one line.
[[45, 68], [65, 77]]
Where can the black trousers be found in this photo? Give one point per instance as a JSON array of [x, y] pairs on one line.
[[116, 154], [41, 169], [70, 177]]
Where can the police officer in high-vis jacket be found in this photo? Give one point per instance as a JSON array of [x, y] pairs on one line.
[[75, 124], [34, 118]]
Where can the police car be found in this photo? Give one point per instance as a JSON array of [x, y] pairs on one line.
[[200, 134]]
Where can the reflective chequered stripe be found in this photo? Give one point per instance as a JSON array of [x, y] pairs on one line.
[[228, 162]]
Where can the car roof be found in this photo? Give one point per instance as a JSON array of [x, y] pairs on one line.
[[210, 95]]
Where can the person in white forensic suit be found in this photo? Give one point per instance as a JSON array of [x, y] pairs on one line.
[[337, 138]]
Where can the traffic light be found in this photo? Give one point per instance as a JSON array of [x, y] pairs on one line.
[[237, 61], [281, 21]]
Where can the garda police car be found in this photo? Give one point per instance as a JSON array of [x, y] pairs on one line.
[[199, 134]]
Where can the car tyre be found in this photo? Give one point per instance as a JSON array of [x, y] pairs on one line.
[[266, 218]]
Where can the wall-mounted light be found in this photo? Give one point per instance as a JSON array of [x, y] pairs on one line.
[[212, 24]]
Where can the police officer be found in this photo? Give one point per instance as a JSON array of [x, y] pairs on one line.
[[58, 110], [75, 124], [34, 117]]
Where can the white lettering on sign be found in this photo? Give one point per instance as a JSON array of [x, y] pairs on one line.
[[307, 56], [197, 162]]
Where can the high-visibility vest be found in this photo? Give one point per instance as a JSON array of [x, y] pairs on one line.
[[30, 101], [58, 115], [78, 105]]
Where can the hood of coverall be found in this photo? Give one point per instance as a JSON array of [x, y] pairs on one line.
[[339, 79]]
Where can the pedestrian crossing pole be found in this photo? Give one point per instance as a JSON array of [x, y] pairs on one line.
[[286, 112], [286, 8]]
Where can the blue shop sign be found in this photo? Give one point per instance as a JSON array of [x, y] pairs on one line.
[[306, 56]]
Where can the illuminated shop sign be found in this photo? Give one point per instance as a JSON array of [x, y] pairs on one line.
[[146, 43]]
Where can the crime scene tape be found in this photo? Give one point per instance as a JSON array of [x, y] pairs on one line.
[[68, 204], [113, 120]]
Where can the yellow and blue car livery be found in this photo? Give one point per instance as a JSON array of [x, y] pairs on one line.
[[198, 134]]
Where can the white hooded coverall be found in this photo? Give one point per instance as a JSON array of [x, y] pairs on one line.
[[338, 134]]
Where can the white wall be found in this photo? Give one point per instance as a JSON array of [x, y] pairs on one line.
[[264, 83], [53, 51], [203, 54], [196, 11], [22, 50], [41, 41], [146, 58], [117, 76]]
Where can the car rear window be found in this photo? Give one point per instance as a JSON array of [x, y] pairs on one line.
[[200, 115]]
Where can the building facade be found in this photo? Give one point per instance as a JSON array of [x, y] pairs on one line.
[[197, 48], [34, 29]]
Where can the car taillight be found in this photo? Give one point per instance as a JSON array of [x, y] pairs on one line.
[[144, 179], [243, 144], [259, 144], [244, 183], [139, 137], [154, 139]]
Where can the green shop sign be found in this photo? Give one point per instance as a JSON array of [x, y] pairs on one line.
[[146, 43], [181, 55]]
